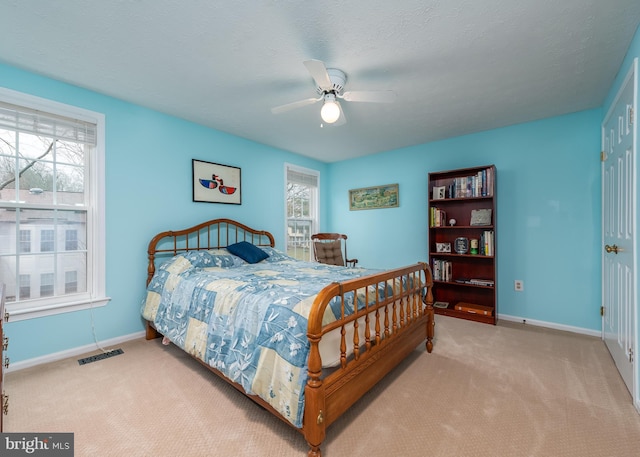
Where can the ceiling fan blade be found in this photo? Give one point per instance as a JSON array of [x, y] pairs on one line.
[[318, 72], [373, 96], [294, 105]]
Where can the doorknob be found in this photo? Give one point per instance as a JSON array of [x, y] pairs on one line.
[[611, 249]]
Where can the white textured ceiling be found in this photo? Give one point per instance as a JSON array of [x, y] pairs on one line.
[[457, 66]]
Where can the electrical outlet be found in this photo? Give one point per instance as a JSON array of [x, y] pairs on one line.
[[519, 285]]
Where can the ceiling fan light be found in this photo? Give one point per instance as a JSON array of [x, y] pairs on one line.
[[330, 112]]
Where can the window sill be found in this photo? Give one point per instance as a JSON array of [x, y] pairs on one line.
[[20, 312]]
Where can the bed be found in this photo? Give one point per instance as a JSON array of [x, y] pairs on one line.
[[304, 340]]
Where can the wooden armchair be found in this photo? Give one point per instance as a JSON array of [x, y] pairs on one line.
[[328, 248]]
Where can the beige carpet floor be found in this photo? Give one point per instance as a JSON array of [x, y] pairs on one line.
[[505, 390]]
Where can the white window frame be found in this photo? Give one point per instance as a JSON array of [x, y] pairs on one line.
[[96, 246], [315, 213]]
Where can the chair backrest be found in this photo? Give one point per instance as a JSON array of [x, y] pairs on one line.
[[331, 249]]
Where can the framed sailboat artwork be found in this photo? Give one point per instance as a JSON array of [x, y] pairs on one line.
[[216, 183]]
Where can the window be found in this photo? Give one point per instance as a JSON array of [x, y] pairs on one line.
[[302, 202], [71, 240], [46, 241], [25, 286], [46, 284], [51, 184], [25, 241], [70, 282]]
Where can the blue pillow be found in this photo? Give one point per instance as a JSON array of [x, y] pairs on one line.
[[247, 252]]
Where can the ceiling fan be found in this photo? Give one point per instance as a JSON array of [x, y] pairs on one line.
[[330, 86]]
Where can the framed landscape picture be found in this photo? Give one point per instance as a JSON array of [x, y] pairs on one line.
[[376, 197], [216, 183]]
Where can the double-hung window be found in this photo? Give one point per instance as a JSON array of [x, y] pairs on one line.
[[302, 202], [51, 206]]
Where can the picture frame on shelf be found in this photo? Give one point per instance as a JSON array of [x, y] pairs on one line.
[[481, 216], [443, 247], [439, 193], [462, 245]]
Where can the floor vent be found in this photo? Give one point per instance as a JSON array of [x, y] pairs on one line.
[[104, 355]]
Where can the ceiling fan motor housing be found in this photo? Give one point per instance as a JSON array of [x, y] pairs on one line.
[[338, 79]]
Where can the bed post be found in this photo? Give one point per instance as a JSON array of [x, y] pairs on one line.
[[428, 300], [314, 409], [151, 333], [431, 324]]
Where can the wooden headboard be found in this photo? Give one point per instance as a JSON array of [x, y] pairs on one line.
[[213, 234]]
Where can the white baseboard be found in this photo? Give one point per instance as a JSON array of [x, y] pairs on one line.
[[553, 325], [15, 366]]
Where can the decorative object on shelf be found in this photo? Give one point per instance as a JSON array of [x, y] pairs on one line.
[[387, 196], [443, 247], [215, 183], [474, 246], [439, 192], [462, 245], [481, 216], [452, 222]]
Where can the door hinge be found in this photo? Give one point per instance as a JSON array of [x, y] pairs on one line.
[[631, 115], [603, 156], [602, 310], [630, 355]]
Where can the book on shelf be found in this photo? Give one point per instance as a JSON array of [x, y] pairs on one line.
[[475, 281], [442, 270], [438, 217], [478, 185], [482, 282], [487, 243]]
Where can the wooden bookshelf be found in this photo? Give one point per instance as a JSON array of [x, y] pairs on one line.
[[465, 276]]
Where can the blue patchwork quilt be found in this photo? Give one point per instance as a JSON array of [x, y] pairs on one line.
[[249, 321]]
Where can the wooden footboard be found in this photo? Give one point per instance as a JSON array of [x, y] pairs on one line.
[[395, 324]]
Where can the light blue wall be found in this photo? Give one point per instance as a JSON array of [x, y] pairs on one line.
[[548, 232], [148, 189]]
